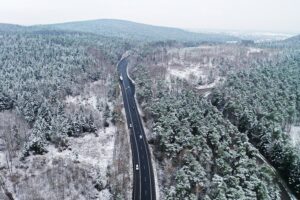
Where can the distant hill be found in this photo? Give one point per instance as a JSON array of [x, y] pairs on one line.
[[292, 42], [137, 31], [11, 27], [293, 39]]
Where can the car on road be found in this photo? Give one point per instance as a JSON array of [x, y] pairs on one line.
[[121, 78], [130, 125], [141, 137], [137, 167]]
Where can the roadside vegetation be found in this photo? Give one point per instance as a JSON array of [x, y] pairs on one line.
[[210, 147]]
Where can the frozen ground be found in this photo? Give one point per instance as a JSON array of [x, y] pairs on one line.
[[91, 150], [80, 172], [208, 65], [295, 135], [70, 174], [191, 65], [85, 101]]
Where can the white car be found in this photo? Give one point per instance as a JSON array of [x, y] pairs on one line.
[[121, 78], [130, 125], [137, 167], [141, 137]]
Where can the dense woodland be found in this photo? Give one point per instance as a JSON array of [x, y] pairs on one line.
[[221, 138], [202, 155], [56, 87], [211, 159], [39, 69], [263, 103]]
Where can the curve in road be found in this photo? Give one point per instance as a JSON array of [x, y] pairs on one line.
[[143, 181]]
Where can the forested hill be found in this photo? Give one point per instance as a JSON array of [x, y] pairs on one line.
[[138, 31], [10, 27], [294, 39]]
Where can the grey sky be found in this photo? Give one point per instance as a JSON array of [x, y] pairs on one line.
[[255, 15]]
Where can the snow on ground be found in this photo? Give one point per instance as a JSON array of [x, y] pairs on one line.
[[185, 72], [295, 135], [253, 50], [105, 194], [85, 101], [2, 159], [71, 173], [211, 85], [91, 150], [193, 64], [68, 174], [92, 92], [203, 64]]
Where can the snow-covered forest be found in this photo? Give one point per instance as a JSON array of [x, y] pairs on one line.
[[224, 142], [264, 103], [221, 118], [42, 74]]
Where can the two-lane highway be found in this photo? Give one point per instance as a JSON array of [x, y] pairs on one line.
[[143, 184]]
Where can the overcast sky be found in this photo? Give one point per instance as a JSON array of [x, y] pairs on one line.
[[253, 15]]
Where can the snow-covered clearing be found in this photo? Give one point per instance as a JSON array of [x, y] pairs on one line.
[[206, 66], [92, 94], [189, 64], [185, 72], [94, 151], [252, 50], [85, 101]]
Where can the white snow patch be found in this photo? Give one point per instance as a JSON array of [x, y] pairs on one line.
[[254, 50], [80, 100], [92, 150], [2, 160], [185, 72], [295, 135], [105, 194]]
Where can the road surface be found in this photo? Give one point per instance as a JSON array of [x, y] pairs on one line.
[[143, 180]]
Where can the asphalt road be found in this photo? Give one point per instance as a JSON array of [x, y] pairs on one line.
[[143, 183]]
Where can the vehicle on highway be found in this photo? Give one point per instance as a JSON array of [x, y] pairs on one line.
[[130, 125], [137, 167], [121, 78], [141, 137]]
